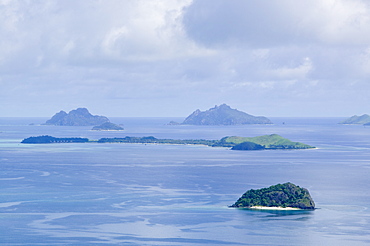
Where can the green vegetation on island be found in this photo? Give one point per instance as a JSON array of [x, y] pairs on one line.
[[360, 120], [50, 139], [223, 115], [286, 195], [107, 126], [153, 140], [248, 146], [273, 141]]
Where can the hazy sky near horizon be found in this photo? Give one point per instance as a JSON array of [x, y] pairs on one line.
[[171, 57]]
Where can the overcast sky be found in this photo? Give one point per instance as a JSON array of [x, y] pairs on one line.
[[171, 57]]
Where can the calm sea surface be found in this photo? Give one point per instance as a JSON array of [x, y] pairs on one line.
[[137, 194]]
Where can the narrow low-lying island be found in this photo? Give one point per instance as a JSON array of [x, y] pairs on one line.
[[272, 141]]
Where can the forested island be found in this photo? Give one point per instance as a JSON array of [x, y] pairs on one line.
[[272, 141], [49, 139], [280, 196]]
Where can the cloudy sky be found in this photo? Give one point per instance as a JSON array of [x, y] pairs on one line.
[[171, 57]]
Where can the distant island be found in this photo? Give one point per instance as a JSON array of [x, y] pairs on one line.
[[280, 196], [107, 126], [360, 120], [272, 141], [77, 117], [49, 139], [223, 115]]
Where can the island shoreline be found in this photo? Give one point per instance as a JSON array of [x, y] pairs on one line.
[[266, 142], [273, 208]]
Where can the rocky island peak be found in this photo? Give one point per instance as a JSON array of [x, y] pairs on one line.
[[76, 117], [223, 115], [358, 120]]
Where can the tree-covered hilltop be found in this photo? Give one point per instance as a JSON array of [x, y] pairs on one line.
[[280, 195], [248, 146], [50, 139], [237, 143], [223, 115], [273, 141]]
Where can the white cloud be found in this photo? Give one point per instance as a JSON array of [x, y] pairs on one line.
[[188, 52], [79, 30], [292, 73], [279, 22], [341, 22]]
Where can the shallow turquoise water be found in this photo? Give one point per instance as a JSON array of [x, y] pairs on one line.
[[136, 194]]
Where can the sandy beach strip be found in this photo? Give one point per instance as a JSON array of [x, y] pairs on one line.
[[273, 208]]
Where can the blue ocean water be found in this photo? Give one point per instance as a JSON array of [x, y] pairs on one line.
[[147, 194]]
